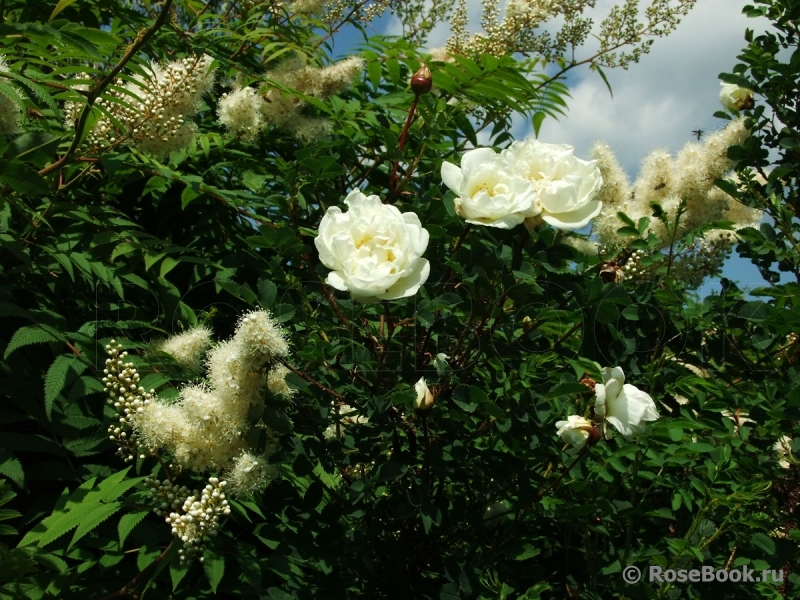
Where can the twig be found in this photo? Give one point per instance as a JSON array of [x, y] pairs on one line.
[[140, 41]]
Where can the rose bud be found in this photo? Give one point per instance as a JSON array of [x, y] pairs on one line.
[[422, 81]]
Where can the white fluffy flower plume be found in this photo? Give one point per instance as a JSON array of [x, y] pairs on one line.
[[374, 251], [188, 347], [241, 111], [622, 405], [206, 427]]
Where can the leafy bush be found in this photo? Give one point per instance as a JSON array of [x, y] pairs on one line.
[[165, 169]]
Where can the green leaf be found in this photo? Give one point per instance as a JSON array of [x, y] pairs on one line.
[[89, 521], [764, 543], [127, 523], [64, 369], [214, 568], [187, 196], [63, 519], [563, 389], [266, 293], [31, 334], [11, 467], [602, 74]]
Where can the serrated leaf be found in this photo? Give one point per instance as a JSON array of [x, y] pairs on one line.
[[57, 377], [31, 334], [127, 524], [91, 520], [177, 572], [62, 520], [11, 467], [266, 293], [214, 568]]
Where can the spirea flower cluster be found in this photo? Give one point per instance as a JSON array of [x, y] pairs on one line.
[[689, 177], [530, 182], [251, 473], [683, 186], [127, 397], [10, 112], [152, 112], [244, 110], [206, 427]]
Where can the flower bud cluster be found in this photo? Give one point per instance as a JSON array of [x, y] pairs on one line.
[[515, 32], [198, 518], [129, 399], [152, 111], [633, 268], [703, 258], [10, 112], [165, 496]]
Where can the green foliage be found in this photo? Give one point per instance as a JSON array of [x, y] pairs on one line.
[[477, 498]]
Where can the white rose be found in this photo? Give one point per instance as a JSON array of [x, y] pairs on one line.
[[487, 192], [441, 364], [374, 251], [623, 405], [734, 97], [424, 400], [565, 187], [575, 431]]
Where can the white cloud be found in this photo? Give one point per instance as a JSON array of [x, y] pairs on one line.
[[659, 101]]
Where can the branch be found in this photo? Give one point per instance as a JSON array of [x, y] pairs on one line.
[[93, 95], [127, 589]]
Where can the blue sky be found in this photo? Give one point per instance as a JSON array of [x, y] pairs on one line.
[[657, 103]]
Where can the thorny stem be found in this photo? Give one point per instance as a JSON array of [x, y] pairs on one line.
[[128, 588], [402, 143], [311, 380]]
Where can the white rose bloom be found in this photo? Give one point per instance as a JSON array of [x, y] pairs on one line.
[[488, 192], [623, 405], [565, 187], [734, 97], [574, 431], [424, 400], [374, 250]]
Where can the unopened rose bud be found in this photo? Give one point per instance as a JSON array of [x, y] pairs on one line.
[[422, 81], [594, 436], [588, 382], [424, 400]]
